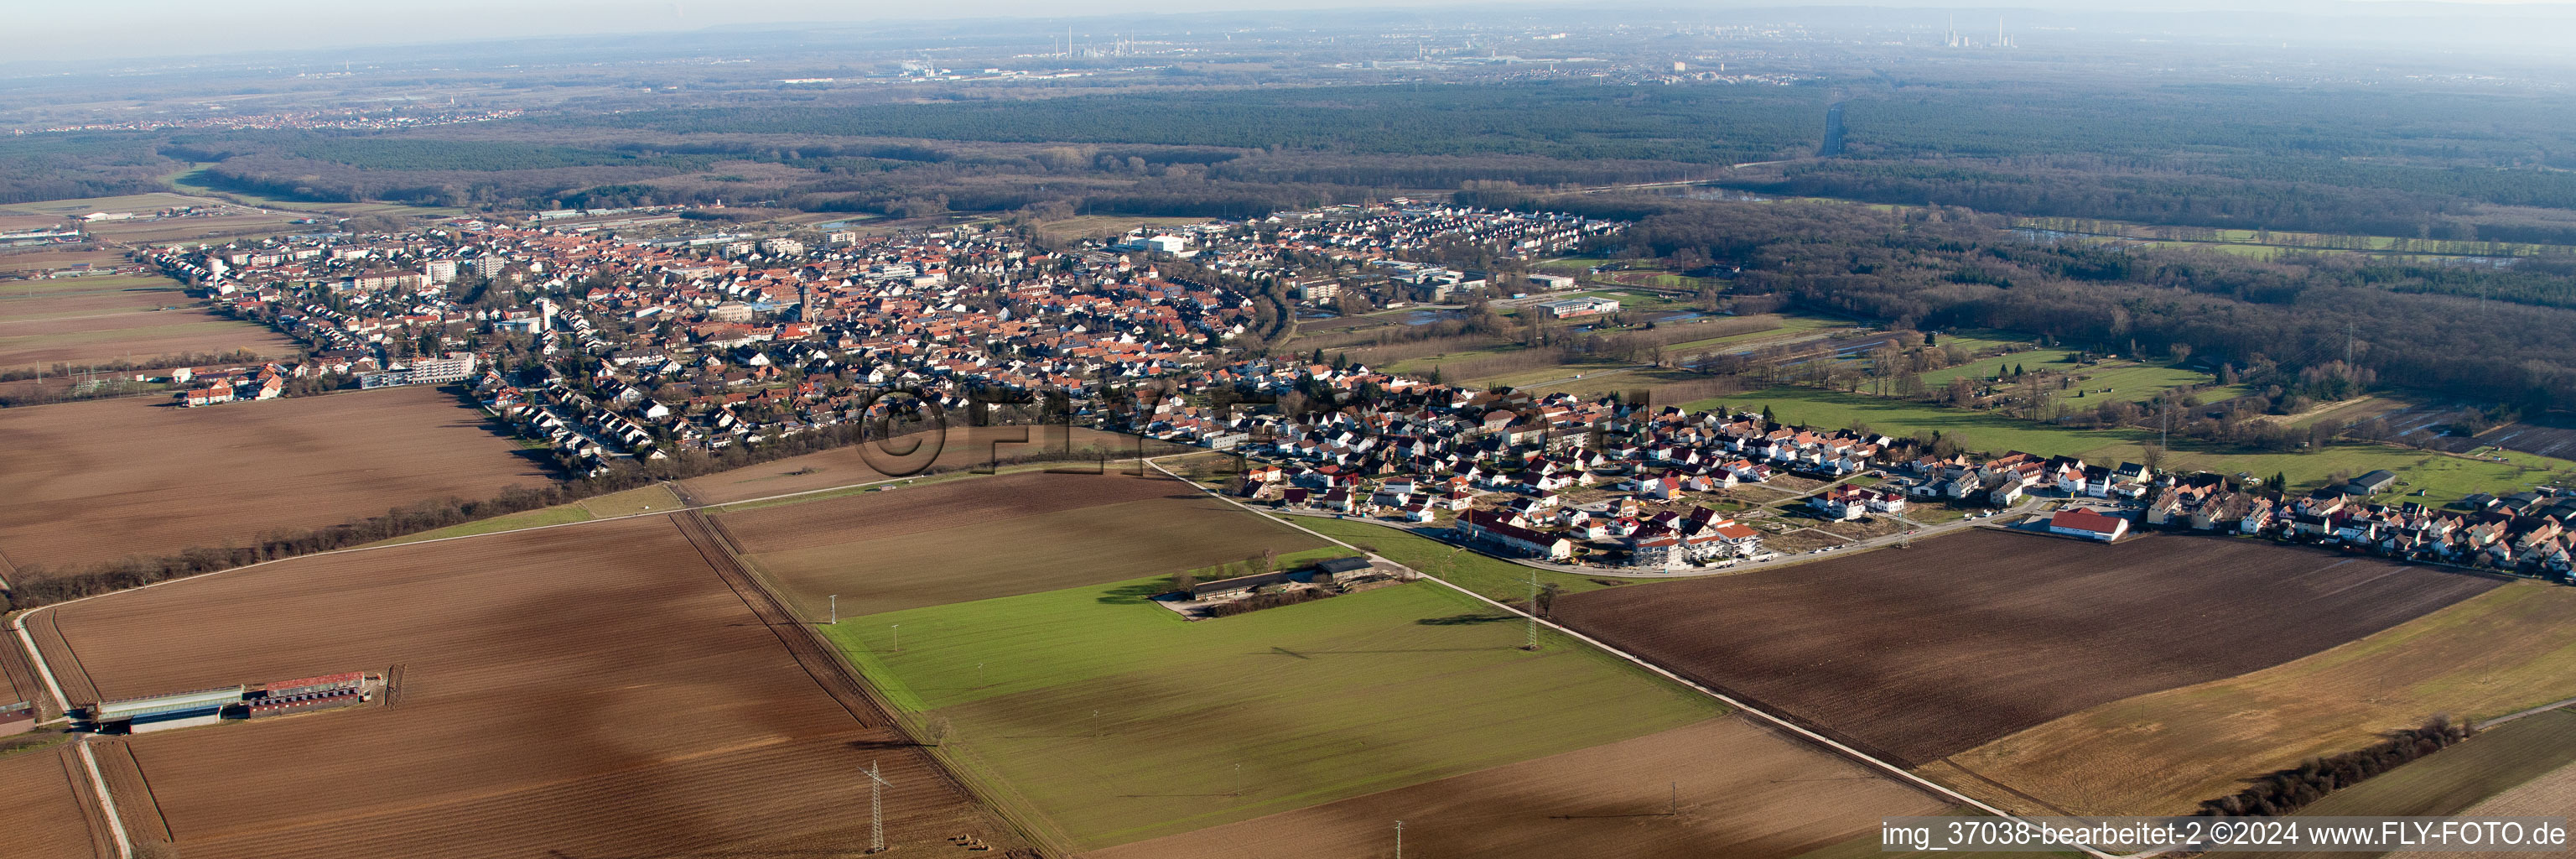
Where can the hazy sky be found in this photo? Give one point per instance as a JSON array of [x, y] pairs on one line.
[[73, 31]]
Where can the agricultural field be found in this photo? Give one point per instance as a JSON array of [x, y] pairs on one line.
[[607, 690], [2444, 478], [631, 502], [1720, 787], [45, 796], [104, 318], [2495, 763], [2453, 779], [977, 538], [137, 337], [1787, 327], [1926, 652], [959, 449], [2548, 441], [2553, 794], [2499, 652], [1108, 720], [137, 477], [221, 221]]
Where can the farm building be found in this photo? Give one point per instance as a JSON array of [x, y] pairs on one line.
[[17, 718], [270, 699], [1335, 571], [1237, 586], [2079, 522], [159, 712], [1338, 570]]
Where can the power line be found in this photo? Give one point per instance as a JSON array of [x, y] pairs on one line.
[[876, 808]]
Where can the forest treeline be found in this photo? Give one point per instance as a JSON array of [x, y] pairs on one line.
[[2408, 163], [1938, 268], [2405, 206], [2289, 790]]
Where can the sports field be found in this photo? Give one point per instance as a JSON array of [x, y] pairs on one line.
[[2495, 653], [1107, 719]]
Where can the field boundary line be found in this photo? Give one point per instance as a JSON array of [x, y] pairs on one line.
[[101, 842], [45, 669], [1812, 736], [754, 592], [98, 782], [2530, 712]]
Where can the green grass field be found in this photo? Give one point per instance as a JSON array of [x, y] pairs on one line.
[[1788, 325], [2444, 478], [1104, 719], [2057, 360]]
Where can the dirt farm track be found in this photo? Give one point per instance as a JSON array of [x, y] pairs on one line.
[[107, 479], [1925, 652], [605, 691]]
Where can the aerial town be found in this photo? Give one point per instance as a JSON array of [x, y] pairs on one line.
[[609, 348], [1047, 431]]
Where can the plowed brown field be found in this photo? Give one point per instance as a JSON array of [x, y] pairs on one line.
[[47, 809], [1924, 652], [879, 515], [994, 536], [959, 448], [1742, 791], [594, 691], [102, 480]]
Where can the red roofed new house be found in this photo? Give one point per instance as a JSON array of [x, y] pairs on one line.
[[2080, 522]]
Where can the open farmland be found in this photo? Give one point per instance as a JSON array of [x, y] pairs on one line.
[[1925, 652], [2495, 653], [2553, 794], [983, 537], [2449, 782], [102, 318], [214, 220], [1743, 792], [606, 690], [1108, 719], [959, 449], [45, 798], [133, 477]]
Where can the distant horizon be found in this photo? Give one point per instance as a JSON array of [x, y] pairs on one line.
[[169, 28]]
